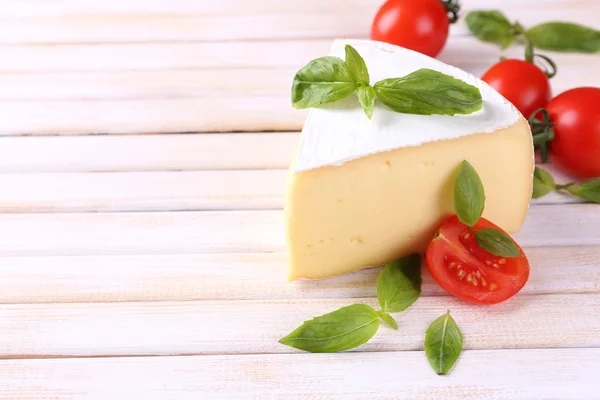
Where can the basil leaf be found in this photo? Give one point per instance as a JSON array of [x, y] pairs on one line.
[[469, 195], [366, 98], [443, 343], [399, 284], [356, 66], [343, 329], [428, 92], [388, 319], [497, 243], [588, 190], [321, 81], [564, 36], [491, 26], [543, 183]]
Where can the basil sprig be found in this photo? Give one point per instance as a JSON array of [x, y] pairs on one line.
[[443, 343], [398, 286], [424, 92], [492, 26], [469, 203], [543, 183]]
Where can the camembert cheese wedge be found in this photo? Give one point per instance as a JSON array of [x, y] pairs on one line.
[[362, 193]]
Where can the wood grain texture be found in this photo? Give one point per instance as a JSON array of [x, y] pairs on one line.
[[228, 231], [232, 20], [254, 327], [244, 276], [551, 374]]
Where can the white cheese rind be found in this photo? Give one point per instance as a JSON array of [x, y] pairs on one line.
[[340, 132]]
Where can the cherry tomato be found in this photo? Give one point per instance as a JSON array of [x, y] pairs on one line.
[[420, 25], [522, 83], [466, 271], [575, 116]]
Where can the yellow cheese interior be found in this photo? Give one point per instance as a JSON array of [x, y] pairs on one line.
[[373, 210]]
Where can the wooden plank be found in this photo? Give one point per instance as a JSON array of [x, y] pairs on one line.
[[464, 52], [155, 191], [256, 276], [152, 152], [254, 327], [234, 20], [57, 8], [228, 231], [553, 374], [143, 191], [149, 116], [167, 105]]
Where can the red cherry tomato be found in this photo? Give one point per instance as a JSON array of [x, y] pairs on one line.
[[522, 83], [420, 25], [575, 116], [467, 271]]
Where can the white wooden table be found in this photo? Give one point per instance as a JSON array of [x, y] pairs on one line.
[[148, 262]]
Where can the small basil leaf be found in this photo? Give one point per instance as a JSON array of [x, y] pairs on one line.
[[491, 26], [443, 343], [588, 190], [321, 81], [366, 98], [543, 183], [497, 243], [428, 92], [469, 195], [356, 66], [399, 284], [564, 36], [388, 319], [343, 329]]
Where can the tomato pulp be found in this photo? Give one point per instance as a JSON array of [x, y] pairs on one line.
[[522, 83], [466, 271], [420, 25], [575, 116]]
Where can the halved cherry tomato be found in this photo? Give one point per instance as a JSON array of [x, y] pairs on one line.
[[522, 83], [575, 116], [465, 270], [420, 25]]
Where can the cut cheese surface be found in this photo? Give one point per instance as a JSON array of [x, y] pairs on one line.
[[349, 209]]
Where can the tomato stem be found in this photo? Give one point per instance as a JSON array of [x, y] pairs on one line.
[[566, 186], [542, 132], [452, 8], [530, 56]]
